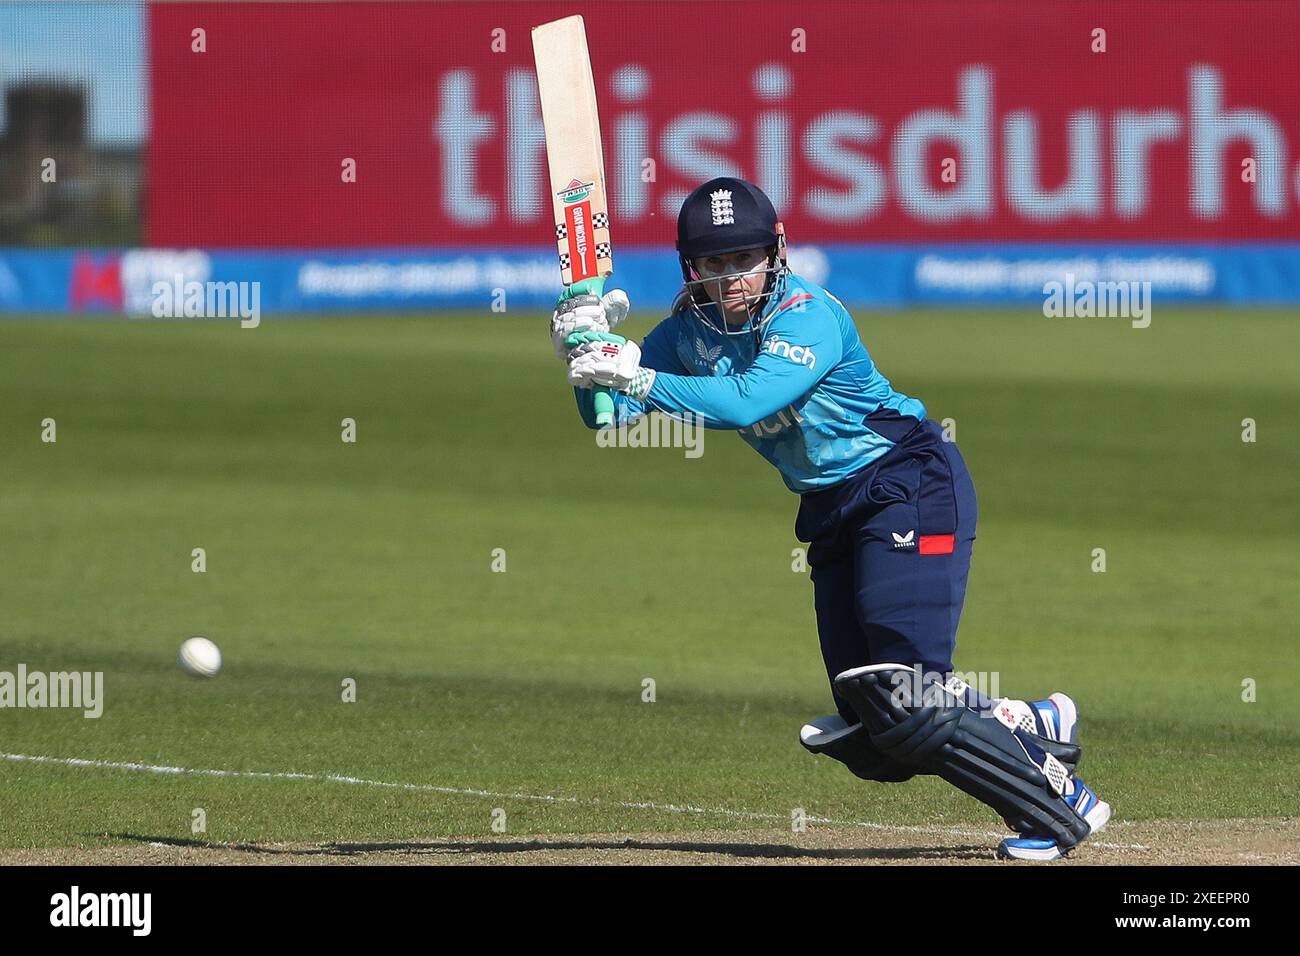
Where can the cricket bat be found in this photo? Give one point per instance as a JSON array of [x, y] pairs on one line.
[[577, 166]]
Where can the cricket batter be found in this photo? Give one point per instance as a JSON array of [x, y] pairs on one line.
[[886, 505]]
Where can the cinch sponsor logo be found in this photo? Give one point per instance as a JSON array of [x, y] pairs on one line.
[[799, 354], [575, 191], [75, 908], [775, 424]]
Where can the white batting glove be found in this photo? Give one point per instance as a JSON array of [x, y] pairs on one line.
[[586, 313], [580, 377], [611, 361]]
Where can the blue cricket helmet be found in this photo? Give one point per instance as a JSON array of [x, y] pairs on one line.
[[725, 215], [722, 216]]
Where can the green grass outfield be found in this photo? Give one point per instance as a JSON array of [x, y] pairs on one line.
[[373, 561]]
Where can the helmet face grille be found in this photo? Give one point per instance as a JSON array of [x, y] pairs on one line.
[[723, 216], [696, 296]]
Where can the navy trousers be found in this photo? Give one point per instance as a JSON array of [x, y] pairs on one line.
[[890, 551]]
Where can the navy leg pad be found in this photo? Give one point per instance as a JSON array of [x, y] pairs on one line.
[[851, 745], [1069, 754], [997, 765]]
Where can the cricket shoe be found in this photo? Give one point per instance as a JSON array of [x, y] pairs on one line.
[[1051, 724], [1056, 718], [1094, 810]]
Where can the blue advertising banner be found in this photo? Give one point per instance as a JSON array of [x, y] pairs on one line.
[[142, 282]]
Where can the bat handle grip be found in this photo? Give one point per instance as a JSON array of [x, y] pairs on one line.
[[601, 395], [604, 406]]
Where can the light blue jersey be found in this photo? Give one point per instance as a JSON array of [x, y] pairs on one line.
[[800, 398]]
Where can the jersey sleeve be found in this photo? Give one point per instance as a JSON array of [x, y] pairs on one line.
[[800, 347], [658, 352]]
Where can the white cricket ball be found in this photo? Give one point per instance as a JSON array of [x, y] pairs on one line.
[[200, 657]]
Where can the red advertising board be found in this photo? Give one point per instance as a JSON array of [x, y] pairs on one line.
[[938, 121]]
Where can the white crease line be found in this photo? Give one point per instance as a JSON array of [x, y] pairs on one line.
[[536, 798]]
